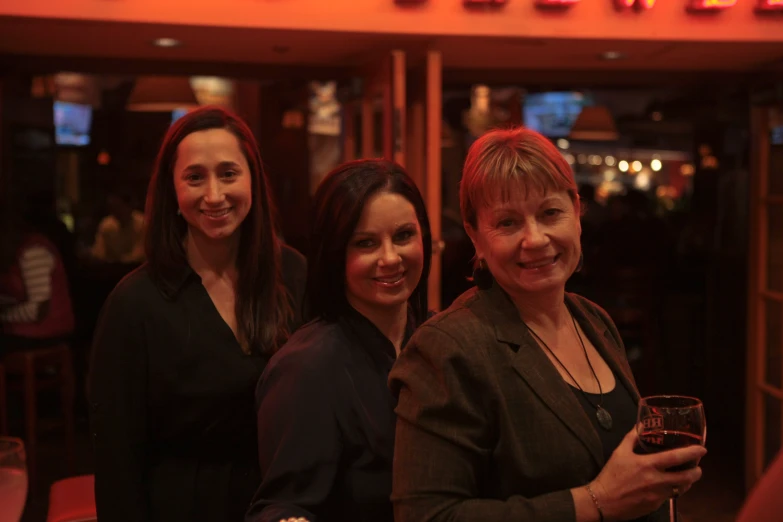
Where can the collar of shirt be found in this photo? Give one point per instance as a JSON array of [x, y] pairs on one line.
[[371, 337], [173, 281]]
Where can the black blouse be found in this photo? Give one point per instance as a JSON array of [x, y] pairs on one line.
[[326, 425], [172, 402]]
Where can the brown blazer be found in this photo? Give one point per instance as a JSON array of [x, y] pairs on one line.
[[487, 429]]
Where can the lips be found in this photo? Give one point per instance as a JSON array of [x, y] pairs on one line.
[[390, 280], [542, 262], [216, 213]]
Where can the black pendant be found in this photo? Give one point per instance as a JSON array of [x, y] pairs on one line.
[[604, 418]]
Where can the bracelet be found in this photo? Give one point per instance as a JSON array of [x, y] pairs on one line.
[[595, 501]]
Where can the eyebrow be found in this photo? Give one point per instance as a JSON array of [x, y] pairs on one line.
[[222, 164], [409, 224]]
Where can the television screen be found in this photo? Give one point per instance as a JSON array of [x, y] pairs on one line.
[[553, 113], [776, 135], [177, 114], [72, 123]]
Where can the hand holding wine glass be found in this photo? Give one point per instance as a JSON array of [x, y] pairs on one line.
[[13, 479], [669, 422]]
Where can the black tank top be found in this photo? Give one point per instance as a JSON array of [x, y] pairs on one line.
[[620, 405]]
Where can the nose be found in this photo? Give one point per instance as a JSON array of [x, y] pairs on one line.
[[534, 237], [388, 254], [214, 192]]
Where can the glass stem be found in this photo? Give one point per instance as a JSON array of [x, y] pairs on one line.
[[673, 510]]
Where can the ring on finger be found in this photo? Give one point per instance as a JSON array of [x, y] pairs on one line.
[[675, 491]]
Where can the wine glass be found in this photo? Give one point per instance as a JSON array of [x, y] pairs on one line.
[[669, 422], [13, 479]]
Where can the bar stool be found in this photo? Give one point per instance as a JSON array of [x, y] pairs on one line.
[[27, 364], [72, 500], [3, 403]]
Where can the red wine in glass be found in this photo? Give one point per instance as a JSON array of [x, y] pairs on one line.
[[667, 422], [661, 440]]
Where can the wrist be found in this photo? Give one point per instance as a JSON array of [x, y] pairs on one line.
[[596, 501], [584, 507]]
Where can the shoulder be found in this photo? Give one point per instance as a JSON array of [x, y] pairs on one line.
[[108, 223], [590, 309], [135, 291], [461, 323], [307, 364], [314, 348]]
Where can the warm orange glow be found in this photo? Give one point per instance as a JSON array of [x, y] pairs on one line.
[[647, 4], [712, 4], [666, 22]]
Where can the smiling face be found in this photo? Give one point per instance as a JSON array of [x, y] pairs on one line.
[[529, 240], [385, 255], [213, 182]]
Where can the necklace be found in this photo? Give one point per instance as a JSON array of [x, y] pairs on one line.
[[603, 416]]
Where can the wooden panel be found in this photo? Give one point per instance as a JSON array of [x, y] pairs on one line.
[[756, 285], [434, 79]]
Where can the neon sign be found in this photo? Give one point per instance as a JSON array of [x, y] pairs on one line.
[[762, 6], [766, 6], [638, 5], [483, 3], [710, 5]]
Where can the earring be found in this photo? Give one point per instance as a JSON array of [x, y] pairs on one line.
[[481, 275], [179, 212]]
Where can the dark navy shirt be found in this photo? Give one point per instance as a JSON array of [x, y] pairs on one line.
[[326, 425]]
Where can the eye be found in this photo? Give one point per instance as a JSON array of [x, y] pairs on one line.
[[552, 212], [193, 177], [230, 174], [404, 235], [364, 243], [505, 223]]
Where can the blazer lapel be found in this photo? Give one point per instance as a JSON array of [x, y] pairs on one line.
[[534, 367], [603, 341]]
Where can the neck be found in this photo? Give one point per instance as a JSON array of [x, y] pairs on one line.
[[390, 321], [544, 312], [208, 256]]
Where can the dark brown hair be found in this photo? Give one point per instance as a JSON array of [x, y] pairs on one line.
[[263, 310], [339, 202]]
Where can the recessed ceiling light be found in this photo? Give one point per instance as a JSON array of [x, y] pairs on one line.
[[166, 42], [612, 55]]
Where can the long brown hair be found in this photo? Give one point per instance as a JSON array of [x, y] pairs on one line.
[[263, 309]]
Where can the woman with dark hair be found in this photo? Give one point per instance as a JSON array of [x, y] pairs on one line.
[[183, 339], [325, 415]]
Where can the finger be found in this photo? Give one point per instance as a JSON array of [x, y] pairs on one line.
[[630, 438], [671, 458], [682, 478]]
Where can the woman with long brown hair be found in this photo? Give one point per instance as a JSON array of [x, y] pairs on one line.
[[183, 339]]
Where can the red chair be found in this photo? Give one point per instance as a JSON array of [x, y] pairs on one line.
[[72, 500], [27, 365]]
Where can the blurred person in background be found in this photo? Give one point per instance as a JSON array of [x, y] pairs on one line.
[[120, 235]]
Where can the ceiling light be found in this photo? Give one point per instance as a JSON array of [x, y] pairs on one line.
[[594, 123], [166, 42], [656, 165], [612, 55], [161, 94], [623, 166]]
